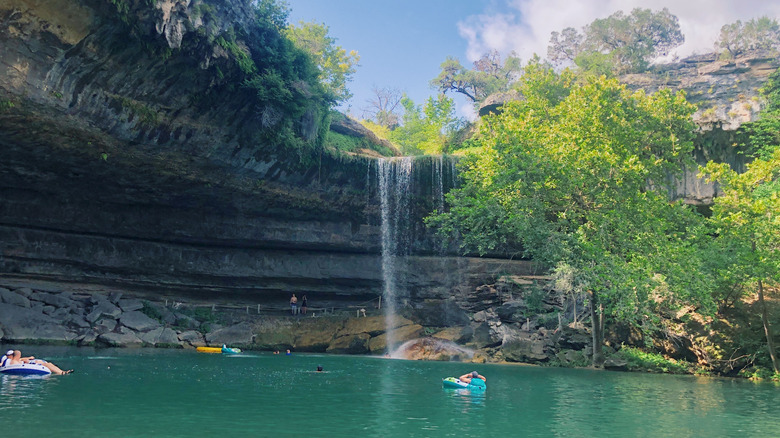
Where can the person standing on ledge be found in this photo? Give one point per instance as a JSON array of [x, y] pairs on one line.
[[294, 304], [466, 378], [304, 304]]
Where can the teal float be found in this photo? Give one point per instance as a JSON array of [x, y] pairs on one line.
[[454, 383]]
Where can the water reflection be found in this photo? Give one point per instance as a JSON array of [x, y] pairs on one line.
[[465, 398], [21, 392]]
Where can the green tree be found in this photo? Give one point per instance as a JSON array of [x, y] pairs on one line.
[[746, 217], [747, 221], [624, 43], [427, 129], [563, 177], [757, 34], [335, 64], [489, 75]]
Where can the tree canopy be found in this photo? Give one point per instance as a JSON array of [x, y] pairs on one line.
[[746, 217], [619, 43], [335, 64], [427, 129], [490, 74], [563, 176], [757, 34]]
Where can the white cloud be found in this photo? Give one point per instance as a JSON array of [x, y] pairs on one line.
[[525, 25]]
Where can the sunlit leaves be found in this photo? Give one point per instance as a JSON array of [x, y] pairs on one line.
[[575, 174]]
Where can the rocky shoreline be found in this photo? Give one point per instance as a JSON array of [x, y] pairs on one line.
[[432, 331]]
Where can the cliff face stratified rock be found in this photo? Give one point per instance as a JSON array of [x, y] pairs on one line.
[[120, 165], [127, 162]]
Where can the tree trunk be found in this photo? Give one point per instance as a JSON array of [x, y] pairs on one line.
[[597, 330], [767, 328]]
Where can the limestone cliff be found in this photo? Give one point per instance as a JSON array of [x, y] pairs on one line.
[[131, 159], [125, 158]]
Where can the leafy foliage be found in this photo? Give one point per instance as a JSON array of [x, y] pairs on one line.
[[638, 360], [564, 175], [619, 43], [489, 75], [757, 34], [336, 66], [426, 130]]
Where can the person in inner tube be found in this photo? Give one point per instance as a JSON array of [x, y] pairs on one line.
[[31, 359], [466, 378], [7, 359]]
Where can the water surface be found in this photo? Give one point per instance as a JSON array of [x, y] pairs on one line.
[[173, 393]]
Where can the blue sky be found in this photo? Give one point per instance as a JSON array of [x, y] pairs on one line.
[[401, 43]]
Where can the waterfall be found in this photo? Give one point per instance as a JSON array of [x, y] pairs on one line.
[[394, 190], [406, 195]]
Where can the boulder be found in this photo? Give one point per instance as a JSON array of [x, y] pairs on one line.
[[76, 321], [524, 347], [373, 325], [114, 339], [106, 325], [192, 337], [6, 296], [512, 311], [316, 334], [350, 344], [87, 338], [185, 321], [378, 344], [128, 305], [616, 364], [56, 300], [459, 335], [21, 324], [24, 291], [103, 308], [160, 336], [573, 339], [114, 297], [236, 335], [433, 349], [571, 357], [274, 334], [486, 336], [138, 321]]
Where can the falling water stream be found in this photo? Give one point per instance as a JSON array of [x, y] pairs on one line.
[[394, 188], [397, 187]]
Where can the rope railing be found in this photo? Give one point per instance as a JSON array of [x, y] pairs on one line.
[[360, 308]]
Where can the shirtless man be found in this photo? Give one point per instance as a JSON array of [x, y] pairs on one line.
[[18, 359], [466, 378]]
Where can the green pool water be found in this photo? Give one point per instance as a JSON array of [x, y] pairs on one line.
[[175, 393]]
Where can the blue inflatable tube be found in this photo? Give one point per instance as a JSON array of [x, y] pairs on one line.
[[454, 383], [26, 369]]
